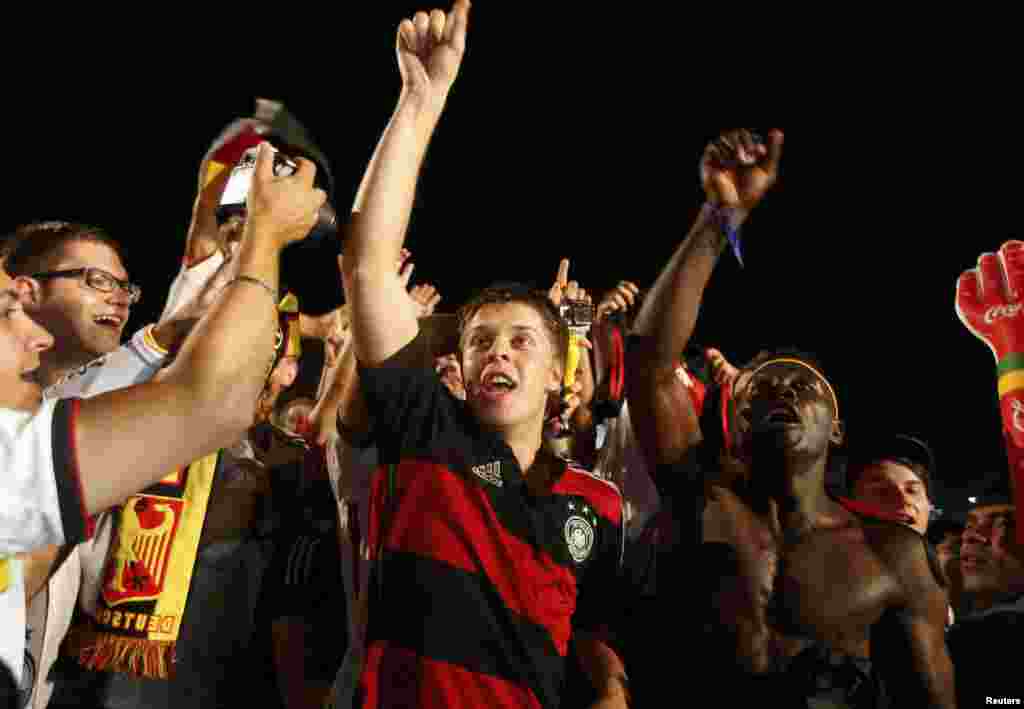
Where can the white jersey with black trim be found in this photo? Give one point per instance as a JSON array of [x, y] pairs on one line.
[[40, 505], [81, 574]]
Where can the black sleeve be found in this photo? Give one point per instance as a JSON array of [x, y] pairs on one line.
[[304, 571], [604, 583], [409, 406], [70, 494]]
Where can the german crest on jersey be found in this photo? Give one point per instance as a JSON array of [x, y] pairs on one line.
[[579, 531]]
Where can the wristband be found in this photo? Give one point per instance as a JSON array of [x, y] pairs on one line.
[[722, 216], [150, 341]]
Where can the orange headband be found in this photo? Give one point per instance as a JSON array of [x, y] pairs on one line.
[[789, 360]]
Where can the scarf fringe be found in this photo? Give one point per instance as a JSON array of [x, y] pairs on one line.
[[135, 656]]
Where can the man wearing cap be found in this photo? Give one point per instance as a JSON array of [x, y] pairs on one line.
[[894, 474]]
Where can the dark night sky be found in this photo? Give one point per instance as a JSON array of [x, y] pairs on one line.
[[549, 149]]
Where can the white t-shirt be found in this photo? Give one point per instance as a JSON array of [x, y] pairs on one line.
[[40, 504], [134, 362]]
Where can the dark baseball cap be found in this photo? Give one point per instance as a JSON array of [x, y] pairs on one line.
[[899, 448]]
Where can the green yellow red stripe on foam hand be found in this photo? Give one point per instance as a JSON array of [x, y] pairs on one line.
[[1011, 362], [1011, 374]]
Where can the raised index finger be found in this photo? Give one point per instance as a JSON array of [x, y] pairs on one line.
[[562, 279]]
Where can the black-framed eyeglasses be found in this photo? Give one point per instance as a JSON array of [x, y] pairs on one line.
[[97, 279]]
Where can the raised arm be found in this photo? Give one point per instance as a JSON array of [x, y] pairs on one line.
[[988, 304], [430, 49], [736, 172], [129, 439], [339, 403]]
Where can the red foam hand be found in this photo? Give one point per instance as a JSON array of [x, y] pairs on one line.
[[989, 303], [988, 300]]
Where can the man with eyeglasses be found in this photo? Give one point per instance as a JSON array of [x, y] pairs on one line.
[[75, 286], [64, 460], [78, 291]]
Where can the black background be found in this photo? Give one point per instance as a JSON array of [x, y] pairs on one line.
[[570, 133]]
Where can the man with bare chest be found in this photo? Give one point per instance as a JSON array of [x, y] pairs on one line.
[[840, 576], [844, 576]]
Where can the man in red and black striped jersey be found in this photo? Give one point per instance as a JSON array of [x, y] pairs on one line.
[[489, 552]]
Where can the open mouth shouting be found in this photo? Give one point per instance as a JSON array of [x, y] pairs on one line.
[[772, 415], [110, 321], [495, 385]]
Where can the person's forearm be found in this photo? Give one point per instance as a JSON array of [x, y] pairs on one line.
[[669, 312], [602, 665], [226, 357], [338, 382], [352, 416], [385, 198], [377, 230]]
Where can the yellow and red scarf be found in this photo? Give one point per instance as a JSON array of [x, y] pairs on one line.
[[147, 575]]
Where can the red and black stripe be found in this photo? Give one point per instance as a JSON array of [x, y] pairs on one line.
[[70, 495]]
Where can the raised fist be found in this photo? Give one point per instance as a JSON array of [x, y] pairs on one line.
[[426, 298], [619, 299], [737, 170], [430, 49], [988, 303]]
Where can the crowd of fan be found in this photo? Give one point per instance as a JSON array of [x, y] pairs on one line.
[[548, 499]]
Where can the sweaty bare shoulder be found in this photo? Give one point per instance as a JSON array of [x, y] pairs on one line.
[[906, 554]]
